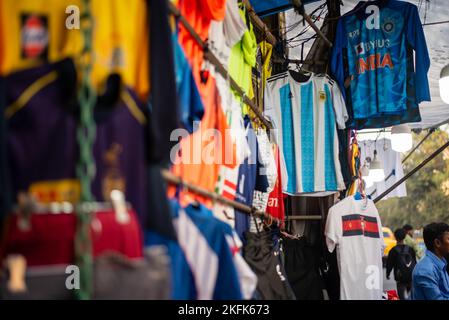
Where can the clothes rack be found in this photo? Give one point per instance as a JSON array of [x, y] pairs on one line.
[[259, 23], [299, 61], [175, 180], [65, 207], [219, 67], [297, 4], [303, 217]]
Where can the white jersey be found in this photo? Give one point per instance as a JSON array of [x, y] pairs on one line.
[[306, 115], [223, 35], [392, 164], [354, 228]]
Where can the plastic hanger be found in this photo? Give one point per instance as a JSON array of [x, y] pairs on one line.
[[290, 236]]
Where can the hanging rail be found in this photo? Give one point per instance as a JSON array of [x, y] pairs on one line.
[[407, 156], [297, 4], [303, 217], [214, 60], [418, 145], [173, 179], [413, 171], [299, 61], [259, 23]]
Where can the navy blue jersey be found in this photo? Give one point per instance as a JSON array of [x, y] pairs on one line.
[[250, 178], [42, 120]]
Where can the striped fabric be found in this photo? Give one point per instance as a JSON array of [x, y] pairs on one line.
[[306, 115]]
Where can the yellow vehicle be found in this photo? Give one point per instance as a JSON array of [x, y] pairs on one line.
[[389, 240]]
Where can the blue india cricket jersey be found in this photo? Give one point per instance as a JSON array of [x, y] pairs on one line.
[[380, 60]]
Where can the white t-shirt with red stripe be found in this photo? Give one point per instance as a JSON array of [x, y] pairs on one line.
[[354, 228]]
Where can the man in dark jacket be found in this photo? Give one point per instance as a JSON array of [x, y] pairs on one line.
[[401, 258]]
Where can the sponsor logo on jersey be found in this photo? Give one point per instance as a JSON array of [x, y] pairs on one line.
[[34, 36], [366, 47]]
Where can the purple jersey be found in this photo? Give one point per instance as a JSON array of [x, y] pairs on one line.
[[42, 118]]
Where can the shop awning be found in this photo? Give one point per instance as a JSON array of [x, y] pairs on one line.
[[267, 7]]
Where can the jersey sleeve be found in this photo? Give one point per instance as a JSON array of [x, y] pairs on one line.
[[417, 40], [381, 234], [234, 26], [272, 115], [270, 112], [337, 65], [338, 102], [333, 229]]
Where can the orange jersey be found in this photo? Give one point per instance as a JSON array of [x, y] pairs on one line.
[[199, 14], [207, 149], [202, 153]]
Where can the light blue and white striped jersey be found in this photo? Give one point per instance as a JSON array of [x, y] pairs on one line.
[[306, 116]]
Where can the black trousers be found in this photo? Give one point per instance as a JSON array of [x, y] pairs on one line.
[[404, 290]]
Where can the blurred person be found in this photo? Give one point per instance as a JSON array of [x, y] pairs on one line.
[[430, 280], [411, 242], [401, 259]]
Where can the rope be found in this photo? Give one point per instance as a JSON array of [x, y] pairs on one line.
[[86, 165]]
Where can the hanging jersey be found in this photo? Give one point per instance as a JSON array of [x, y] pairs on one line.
[[228, 177], [203, 241], [189, 99], [199, 156], [306, 115], [267, 160], [32, 32], [275, 206], [243, 57], [42, 120], [35, 32], [380, 59], [223, 35], [355, 229], [392, 164], [50, 237], [199, 14], [250, 177]]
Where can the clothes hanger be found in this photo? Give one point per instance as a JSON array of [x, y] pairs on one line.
[[290, 236], [256, 223]]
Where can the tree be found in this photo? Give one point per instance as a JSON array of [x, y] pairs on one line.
[[427, 190]]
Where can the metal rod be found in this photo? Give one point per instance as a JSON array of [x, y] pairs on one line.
[[259, 23], [173, 179], [408, 156], [297, 61], [414, 170], [297, 4], [220, 68], [434, 23], [418, 145], [312, 217], [373, 131]]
